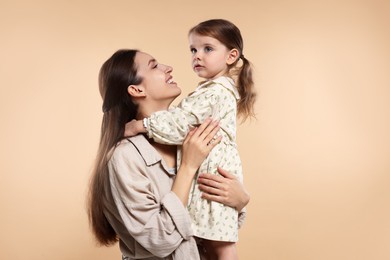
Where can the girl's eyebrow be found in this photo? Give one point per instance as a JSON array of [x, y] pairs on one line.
[[203, 45]]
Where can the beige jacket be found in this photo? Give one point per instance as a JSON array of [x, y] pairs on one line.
[[148, 217]]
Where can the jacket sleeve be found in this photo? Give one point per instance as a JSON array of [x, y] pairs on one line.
[[160, 225], [171, 126]]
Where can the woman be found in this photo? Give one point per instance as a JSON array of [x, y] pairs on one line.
[[136, 194]]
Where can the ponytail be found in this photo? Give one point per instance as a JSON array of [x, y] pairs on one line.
[[246, 89]]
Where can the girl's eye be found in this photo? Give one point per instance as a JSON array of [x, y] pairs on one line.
[[193, 50], [208, 49]]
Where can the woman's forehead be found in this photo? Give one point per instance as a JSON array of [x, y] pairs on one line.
[[143, 58]]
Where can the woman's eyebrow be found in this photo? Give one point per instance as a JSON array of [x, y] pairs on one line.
[[151, 61]]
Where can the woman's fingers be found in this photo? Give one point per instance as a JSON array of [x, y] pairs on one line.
[[224, 188], [212, 138], [212, 184], [226, 174], [216, 181], [190, 135], [211, 190], [207, 130], [205, 135], [210, 178], [212, 197], [197, 145]]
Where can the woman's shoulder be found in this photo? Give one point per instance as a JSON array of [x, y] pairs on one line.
[[127, 147], [135, 149]]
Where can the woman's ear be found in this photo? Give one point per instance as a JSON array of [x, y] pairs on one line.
[[233, 56], [136, 91]]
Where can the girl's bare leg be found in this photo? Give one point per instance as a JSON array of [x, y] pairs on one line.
[[220, 250]]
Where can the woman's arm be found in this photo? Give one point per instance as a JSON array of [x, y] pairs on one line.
[[225, 189], [196, 147], [160, 225]]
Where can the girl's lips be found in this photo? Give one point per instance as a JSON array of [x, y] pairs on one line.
[[198, 67]]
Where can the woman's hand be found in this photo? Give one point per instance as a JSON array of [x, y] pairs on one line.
[[196, 147], [225, 189], [199, 142]]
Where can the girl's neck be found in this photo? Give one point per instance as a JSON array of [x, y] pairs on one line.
[[220, 74]]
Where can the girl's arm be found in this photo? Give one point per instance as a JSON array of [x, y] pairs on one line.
[[165, 126], [172, 126]]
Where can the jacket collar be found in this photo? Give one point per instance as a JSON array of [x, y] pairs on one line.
[[148, 152]]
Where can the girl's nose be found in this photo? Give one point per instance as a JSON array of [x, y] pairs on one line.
[[196, 56]]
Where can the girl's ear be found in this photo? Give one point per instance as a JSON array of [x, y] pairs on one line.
[[233, 56], [136, 91]]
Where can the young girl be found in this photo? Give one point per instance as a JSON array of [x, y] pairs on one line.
[[227, 91]]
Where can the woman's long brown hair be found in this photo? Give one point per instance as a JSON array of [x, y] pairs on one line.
[[116, 74]]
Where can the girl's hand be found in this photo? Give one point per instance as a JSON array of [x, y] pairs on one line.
[[225, 189], [198, 144], [134, 127]]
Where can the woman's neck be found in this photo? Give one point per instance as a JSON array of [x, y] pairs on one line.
[[146, 111], [167, 152]]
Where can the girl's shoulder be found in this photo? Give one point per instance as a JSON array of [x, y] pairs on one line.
[[220, 84], [222, 80]]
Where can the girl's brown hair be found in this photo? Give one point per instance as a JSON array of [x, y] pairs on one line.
[[230, 36], [116, 74]]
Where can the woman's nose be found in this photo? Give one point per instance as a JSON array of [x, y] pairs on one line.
[[168, 69]]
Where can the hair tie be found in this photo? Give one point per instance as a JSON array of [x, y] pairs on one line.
[[242, 56]]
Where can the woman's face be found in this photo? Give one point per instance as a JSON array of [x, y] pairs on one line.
[[157, 81]]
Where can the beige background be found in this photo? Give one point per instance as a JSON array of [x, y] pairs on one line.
[[316, 160]]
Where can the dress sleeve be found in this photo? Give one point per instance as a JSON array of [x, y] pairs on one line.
[[160, 225], [171, 126]]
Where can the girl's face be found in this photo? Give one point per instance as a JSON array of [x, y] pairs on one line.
[[209, 56], [157, 83]]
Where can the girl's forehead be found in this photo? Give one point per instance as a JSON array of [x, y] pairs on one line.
[[196, 38]]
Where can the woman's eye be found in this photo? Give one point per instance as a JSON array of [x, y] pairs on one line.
[[155, 66]]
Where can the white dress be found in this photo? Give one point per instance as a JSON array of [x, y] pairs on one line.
[[218, 99]]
